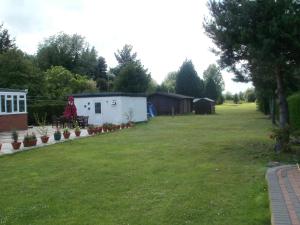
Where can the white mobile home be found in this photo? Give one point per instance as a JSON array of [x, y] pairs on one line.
[[111, 107]]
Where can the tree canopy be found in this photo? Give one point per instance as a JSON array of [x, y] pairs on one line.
[[188, 82], [132, 78], [70, 51], [255, 36], [6, 42]]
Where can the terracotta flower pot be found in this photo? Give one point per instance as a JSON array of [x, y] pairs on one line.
[[44, 139], [33, 142], [77, 133], [16, 145], [66, 135]]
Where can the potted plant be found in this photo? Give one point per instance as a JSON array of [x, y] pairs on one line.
[[29, 140], [15, 137], [57, 135], [99, 130], [105, 127], [77, 131], [42, 127], [118, 126], [66, 133], [123, 125], [90, 129]]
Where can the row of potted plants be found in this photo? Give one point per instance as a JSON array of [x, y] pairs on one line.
[[31, 139], [107, 127]]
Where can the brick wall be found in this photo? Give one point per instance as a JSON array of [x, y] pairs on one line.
[[14, 121]]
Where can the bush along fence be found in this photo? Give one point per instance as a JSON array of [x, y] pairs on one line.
[[294, 110], [56, 109]]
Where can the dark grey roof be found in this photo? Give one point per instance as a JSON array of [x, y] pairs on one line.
[[172, 95], [203, 99], [108, 94], [11, 90]]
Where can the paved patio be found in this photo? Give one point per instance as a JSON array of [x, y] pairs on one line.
[[284, 194], [5, 139]]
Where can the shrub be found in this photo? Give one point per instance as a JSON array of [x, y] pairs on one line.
[[40, 109], [294, 110]]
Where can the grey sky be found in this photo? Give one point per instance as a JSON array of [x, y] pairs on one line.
[[163, 33]]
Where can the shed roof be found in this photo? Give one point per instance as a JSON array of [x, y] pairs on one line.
[[12, 90], [203, 99], [172, 95], [108, 94]]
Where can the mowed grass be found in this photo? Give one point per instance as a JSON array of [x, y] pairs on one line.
[[190, 169]]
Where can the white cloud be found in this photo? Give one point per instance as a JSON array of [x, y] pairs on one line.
[[163, 33]]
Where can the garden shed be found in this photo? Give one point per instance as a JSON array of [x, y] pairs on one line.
[[111, 107], [13, 109], [204, 106], [169, 103]]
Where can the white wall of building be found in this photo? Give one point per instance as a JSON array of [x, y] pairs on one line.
[[113, 109]]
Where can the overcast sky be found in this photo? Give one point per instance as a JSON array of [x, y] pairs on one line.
[[163, 32]]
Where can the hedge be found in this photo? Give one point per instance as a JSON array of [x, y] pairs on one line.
[[40, 109], [294, 110]]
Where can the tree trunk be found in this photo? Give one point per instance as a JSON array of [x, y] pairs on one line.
[[272, 109], [283, 106], [283, 111]]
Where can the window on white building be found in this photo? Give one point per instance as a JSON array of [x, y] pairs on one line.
[[12, 103]]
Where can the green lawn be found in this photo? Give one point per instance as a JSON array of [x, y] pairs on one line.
[[171, 171]]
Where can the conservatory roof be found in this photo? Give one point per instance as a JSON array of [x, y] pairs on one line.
[[12, 90]]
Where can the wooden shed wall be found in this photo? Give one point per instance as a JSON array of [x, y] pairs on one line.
[[164, 104]]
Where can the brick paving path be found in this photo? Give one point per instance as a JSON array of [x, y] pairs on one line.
[[284, 194]]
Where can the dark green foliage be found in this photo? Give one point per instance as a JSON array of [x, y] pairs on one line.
[[250, 95], [132, 78], [258, 41], [6, 42], [213, 72], [236, 98], [100, 75], [69, 51], [263, 105], [228, 96], [19, 71], [130, 75], [52, 109], [125, 55], [169, 82], [294, 110], [60, 83], [211, 90], [188, 82]]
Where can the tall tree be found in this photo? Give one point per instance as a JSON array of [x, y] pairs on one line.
[[70, 51], [6, 42], [211, 90], [214, 72], [169, 82], [247, 32], [132, 78], [125, 55], [17, 70], [188, 82], [100, 75]]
